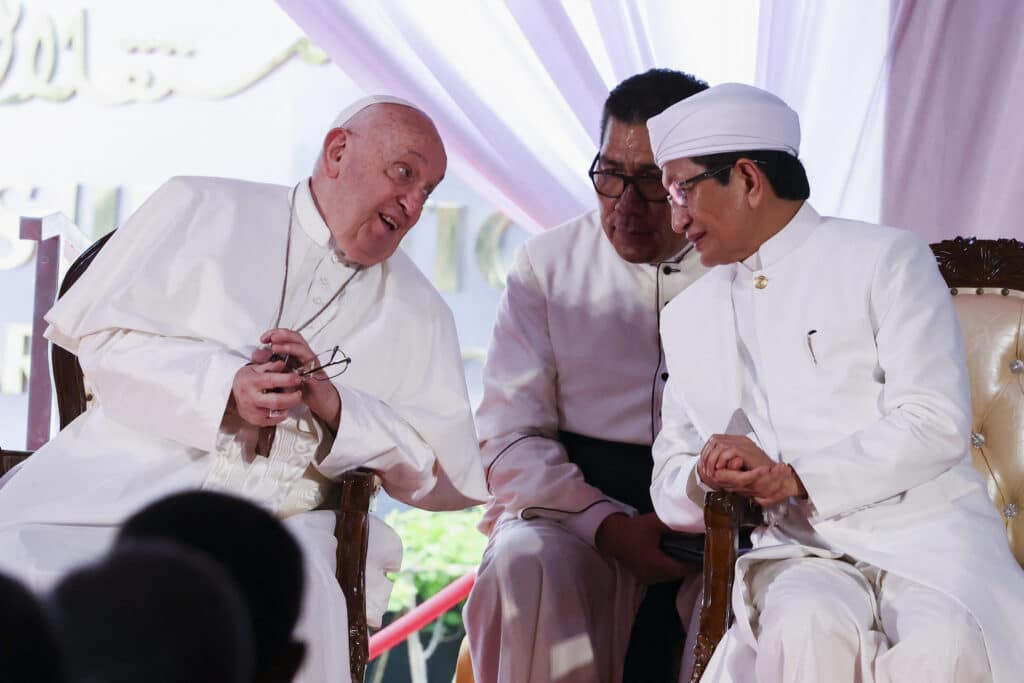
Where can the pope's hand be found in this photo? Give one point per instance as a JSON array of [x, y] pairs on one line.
[[317, 391], [263, 393], [633, 541]]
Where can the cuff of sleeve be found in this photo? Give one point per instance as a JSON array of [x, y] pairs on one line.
[[696, 489], [350, 423], [816, 482], [359, 440], [371, 435], [584, 524], [213, 396]]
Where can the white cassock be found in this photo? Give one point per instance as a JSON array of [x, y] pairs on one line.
[[162, 320], [849, 362], [575, 348]]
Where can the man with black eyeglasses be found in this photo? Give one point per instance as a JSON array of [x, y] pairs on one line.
[[571, 406]]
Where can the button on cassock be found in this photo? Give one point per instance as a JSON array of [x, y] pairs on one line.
[[761, 281]]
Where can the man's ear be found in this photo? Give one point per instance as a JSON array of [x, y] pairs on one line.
[[335, 146], [753, 180]]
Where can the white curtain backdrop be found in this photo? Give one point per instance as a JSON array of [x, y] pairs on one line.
[[829, 61], [516, 87], [954, 154], [909, 108]]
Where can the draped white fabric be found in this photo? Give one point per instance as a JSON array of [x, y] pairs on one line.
[[910, 108], [827, 60], [907, 107], [516, 88], [954, 153]]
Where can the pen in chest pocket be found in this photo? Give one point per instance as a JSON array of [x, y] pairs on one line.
[[810, 344]]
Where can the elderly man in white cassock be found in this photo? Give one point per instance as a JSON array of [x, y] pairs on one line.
[[841, 405], [182, 325], [573, 586]]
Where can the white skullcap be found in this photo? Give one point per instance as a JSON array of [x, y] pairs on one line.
[[351, 110], [730, 117]]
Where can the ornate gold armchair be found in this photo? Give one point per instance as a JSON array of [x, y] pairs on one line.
[[986, 279], [350, 498]]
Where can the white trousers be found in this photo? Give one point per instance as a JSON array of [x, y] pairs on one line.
[[819, 619], [323, 619], [547, 607]]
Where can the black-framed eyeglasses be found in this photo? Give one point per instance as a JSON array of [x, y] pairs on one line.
[[330, 364], [613, 185], [677, 191]]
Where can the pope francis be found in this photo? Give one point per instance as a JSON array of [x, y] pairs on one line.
[[841, 406], [183, 325]]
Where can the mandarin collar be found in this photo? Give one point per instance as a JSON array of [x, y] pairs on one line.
[[308, 215], [313, 223], [785, 241]]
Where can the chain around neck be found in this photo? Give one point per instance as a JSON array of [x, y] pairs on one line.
[[287, 256]]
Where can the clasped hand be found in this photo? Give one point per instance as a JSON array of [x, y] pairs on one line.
[[264, 391], [737, 465]]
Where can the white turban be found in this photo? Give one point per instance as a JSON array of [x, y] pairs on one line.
[[351, 110], [730, 117]]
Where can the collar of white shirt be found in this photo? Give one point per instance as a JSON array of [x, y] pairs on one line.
[[785, 241], [313, 224], [308, 216]]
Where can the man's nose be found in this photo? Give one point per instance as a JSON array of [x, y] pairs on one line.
[[630, 201], [412, 202], [681, 219]]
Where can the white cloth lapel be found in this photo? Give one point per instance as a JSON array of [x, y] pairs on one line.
[[708, 363]]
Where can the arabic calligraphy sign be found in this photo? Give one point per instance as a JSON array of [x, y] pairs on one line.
[[48, 56]]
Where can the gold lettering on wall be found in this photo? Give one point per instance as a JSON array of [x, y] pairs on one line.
[[25, 200], [14, 251], [48, 58], [488, 249], [14, 378], [95, 209], [474, 354], [446, 258]]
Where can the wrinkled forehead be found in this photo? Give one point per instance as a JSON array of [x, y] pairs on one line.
[[397, 130]]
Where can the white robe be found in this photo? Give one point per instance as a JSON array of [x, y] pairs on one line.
[[575, 348], [874, 415], [163, 318]]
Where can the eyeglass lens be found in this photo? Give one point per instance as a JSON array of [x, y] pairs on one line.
[[614, 185], [331, 363]]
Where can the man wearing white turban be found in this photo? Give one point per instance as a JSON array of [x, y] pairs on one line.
[[840, 404], [175, 324]]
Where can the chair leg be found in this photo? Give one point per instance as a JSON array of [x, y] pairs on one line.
[[720, 547], [352, 533]]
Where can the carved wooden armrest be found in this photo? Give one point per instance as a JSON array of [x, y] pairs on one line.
[[8, 459], [724, 514], [351, 500]]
